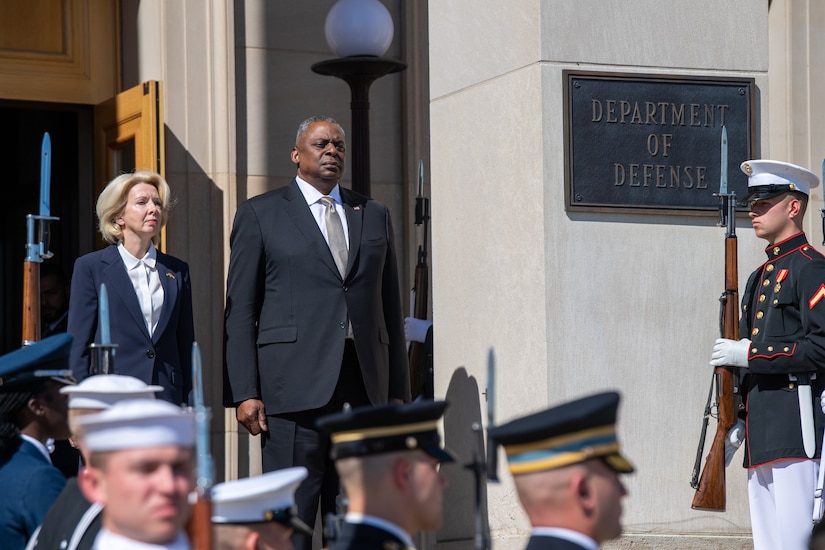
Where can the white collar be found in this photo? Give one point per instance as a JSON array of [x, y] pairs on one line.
[[106, 540], [312, 195], [150, 259], [37, 443], [567, 534], [356, 518]]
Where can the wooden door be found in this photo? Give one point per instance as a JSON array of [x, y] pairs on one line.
[[129, 136]]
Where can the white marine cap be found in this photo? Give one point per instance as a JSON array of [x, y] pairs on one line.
[[769, 178], [101, 391], [264, 498], [137, 423]]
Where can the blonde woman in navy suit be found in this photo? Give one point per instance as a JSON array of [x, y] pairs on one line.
[[150, 295]]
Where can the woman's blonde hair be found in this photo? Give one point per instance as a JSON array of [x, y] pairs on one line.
[[112, 202]]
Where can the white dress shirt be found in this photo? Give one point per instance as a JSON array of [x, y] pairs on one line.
[[313, 198], [143, 273]]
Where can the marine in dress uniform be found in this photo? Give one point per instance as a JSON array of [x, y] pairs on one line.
[[565, 463], [782, 355], [141, 468], [257, 512], [72, 522], [387, 458], [31, 411]]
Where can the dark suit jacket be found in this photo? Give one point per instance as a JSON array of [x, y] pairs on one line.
[[30, 484], [70, 512], [551, 543], [364, 537], [165, 358], [287, 305]]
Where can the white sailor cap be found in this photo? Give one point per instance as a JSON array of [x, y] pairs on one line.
[[264, 498], [137, 423], [769, 178], [101, 391]]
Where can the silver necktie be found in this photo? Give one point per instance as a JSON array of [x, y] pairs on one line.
[[335, 234]]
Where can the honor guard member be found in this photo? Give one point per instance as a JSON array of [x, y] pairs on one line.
[[388, 460], [32, 410], [566, 463], [141, 469], [258, 513], [782, 356], [72, 522]]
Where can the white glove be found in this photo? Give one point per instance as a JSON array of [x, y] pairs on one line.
[[730, 353], [822, 401], [734, 439], [415, 330]]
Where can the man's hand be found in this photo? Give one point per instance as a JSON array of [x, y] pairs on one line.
[[415, 330], [252, 415], [730, 353], [734, 439]]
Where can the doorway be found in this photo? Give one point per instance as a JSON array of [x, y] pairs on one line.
[[70, 131]]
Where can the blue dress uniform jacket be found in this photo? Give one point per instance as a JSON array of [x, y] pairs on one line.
[[30, 485], [165, 357], [362, 536], [551, 543], [783, 314]]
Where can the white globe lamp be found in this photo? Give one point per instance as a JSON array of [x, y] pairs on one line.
[[359, 28]]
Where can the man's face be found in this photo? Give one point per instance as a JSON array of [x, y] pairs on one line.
[[144, 491], [54, 299], [274, 536], [320, 155], [427, 490], [771, 219], [609, 492]]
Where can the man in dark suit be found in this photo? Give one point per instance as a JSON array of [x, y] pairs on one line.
[[54, 299], [303, 335], [566, 463]]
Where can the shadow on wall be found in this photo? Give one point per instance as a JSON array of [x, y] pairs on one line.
[[465, 500]]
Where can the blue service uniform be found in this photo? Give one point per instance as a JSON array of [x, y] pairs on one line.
[[30, 484], [783, 314], [363, 537]]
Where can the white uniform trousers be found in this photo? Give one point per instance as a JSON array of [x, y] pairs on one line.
[[781, 496]]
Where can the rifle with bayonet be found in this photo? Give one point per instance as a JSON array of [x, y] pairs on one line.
[[37, 248], [420, 375], [819, 491], [201, 521], [710, 487], [103, 354]]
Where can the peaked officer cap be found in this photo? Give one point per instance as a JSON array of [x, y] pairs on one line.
[[769, 178], [399, 427], [41, 360], [570, 433], [258, 499]]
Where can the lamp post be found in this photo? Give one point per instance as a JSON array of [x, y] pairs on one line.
[[359, 32]]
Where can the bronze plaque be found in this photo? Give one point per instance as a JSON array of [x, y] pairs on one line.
[[653, 142]]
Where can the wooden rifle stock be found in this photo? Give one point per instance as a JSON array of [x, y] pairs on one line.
[[710, 494], [200, 524], [31, 302]]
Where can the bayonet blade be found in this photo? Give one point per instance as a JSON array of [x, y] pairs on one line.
[[723, 176], [45, 175]]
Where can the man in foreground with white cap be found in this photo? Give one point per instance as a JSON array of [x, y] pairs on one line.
[[141, 469], [72, 522], [566, 463], [782, 357], [257, 513], [388, 459]]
